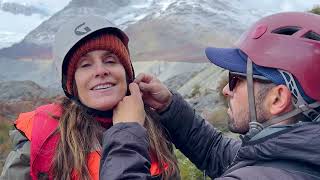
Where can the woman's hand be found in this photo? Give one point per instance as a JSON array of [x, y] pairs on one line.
[[130, 108]]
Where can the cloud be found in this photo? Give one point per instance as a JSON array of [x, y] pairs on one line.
[[15, 26], [51, 6], [297, 5], [19, 23], [26, 10], [281, 6]]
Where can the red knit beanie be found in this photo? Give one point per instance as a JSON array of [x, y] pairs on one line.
[[102, 42]]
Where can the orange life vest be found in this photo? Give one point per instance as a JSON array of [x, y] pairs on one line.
[[40, 128]]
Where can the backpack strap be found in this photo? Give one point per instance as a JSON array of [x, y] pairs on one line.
[[292, 166]]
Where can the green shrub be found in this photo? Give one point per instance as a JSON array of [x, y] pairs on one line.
[[315, 10], [223, 81], [5, 142], [195, 90], [218, 118], [188, 171]]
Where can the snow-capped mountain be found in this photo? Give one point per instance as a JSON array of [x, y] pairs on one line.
[[167, 30], [181, 24], [184, 26]]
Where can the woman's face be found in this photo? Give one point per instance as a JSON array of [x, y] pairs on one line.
[[100, 80]]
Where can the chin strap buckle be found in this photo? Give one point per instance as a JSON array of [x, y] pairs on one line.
[[254, 129]]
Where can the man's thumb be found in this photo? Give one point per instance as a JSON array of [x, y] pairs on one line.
[[134, 89]]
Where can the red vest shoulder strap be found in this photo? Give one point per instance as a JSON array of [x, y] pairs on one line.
[[44, 138], [24, 123]]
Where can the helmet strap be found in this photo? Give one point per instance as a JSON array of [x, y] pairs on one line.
[[254, 126], [300, 109], [301, 105], [299, 101]]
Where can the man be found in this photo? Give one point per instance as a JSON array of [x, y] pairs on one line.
[[273, 97]]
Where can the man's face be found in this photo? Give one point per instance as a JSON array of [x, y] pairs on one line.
[[238, 110]]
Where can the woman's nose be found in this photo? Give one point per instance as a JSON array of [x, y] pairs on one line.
[[101, 71]]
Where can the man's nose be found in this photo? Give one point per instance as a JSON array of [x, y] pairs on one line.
[[226, 91]]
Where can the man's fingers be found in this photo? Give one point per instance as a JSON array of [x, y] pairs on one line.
[[134, 89], [142, 77], [149, 88]]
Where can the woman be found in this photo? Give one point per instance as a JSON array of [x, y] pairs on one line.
[[63, 140]]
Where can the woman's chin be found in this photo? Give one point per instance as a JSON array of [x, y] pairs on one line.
[[105, 107], [102, 103]]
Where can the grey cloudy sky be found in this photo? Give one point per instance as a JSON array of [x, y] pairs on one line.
[[282, 5]]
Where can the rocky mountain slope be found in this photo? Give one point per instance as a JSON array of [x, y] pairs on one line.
[[180, 28], [163, 30], [22, 96]]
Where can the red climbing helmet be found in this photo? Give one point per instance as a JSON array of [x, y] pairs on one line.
[[289, 41], [283, 48]]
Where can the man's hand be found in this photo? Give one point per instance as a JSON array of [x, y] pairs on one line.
[[154, 93], [131, 108]]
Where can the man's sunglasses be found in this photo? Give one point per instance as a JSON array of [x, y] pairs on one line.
[[234, 78]]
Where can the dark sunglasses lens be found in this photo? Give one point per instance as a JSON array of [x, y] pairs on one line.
[[233, 79]]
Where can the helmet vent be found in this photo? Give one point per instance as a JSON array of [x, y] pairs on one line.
[[312, 35], [286, 76], [288, 30]]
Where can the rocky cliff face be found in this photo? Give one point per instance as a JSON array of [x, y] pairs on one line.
[[199, 83], [22, 96]]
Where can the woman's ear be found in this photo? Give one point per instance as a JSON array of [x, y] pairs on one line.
[[279, 100]]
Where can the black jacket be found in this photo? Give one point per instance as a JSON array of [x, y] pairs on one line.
[[266, 156], [125, 153]]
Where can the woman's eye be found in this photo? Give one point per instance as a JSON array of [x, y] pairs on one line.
[[85, 65], [82, 65], [110, 60]]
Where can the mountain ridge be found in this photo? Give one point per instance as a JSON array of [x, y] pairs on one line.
[[194, 24]]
